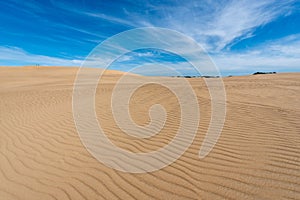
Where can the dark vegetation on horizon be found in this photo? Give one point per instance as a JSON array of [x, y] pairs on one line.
[[264, 73], [256, 73], [197, 76]]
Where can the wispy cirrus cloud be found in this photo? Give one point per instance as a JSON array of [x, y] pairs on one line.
[[219, 24], [278, 55], [17, 56], [215, 25], [239, 19]]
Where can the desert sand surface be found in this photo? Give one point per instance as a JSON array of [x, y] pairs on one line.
[[42, 157]]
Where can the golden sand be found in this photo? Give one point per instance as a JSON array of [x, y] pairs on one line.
[[257, 155]]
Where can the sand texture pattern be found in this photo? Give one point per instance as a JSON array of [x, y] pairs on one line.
[[42, 157]]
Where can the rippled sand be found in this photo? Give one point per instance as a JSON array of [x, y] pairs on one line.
[[257, 155]]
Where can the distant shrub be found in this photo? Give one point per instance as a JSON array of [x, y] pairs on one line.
[[264, 73]]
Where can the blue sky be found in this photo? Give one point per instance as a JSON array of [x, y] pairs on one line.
[[240, 36]]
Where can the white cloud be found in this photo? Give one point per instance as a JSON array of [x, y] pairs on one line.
[[214, 24], [238, 19], [278, 55], [111, 19], [218, 24], [17, 56]]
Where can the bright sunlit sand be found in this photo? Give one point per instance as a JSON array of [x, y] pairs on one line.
[[42, 157]]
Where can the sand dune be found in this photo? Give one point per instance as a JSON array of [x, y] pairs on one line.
[[42, 157]]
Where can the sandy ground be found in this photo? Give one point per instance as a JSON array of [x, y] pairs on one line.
[[41, 155]]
